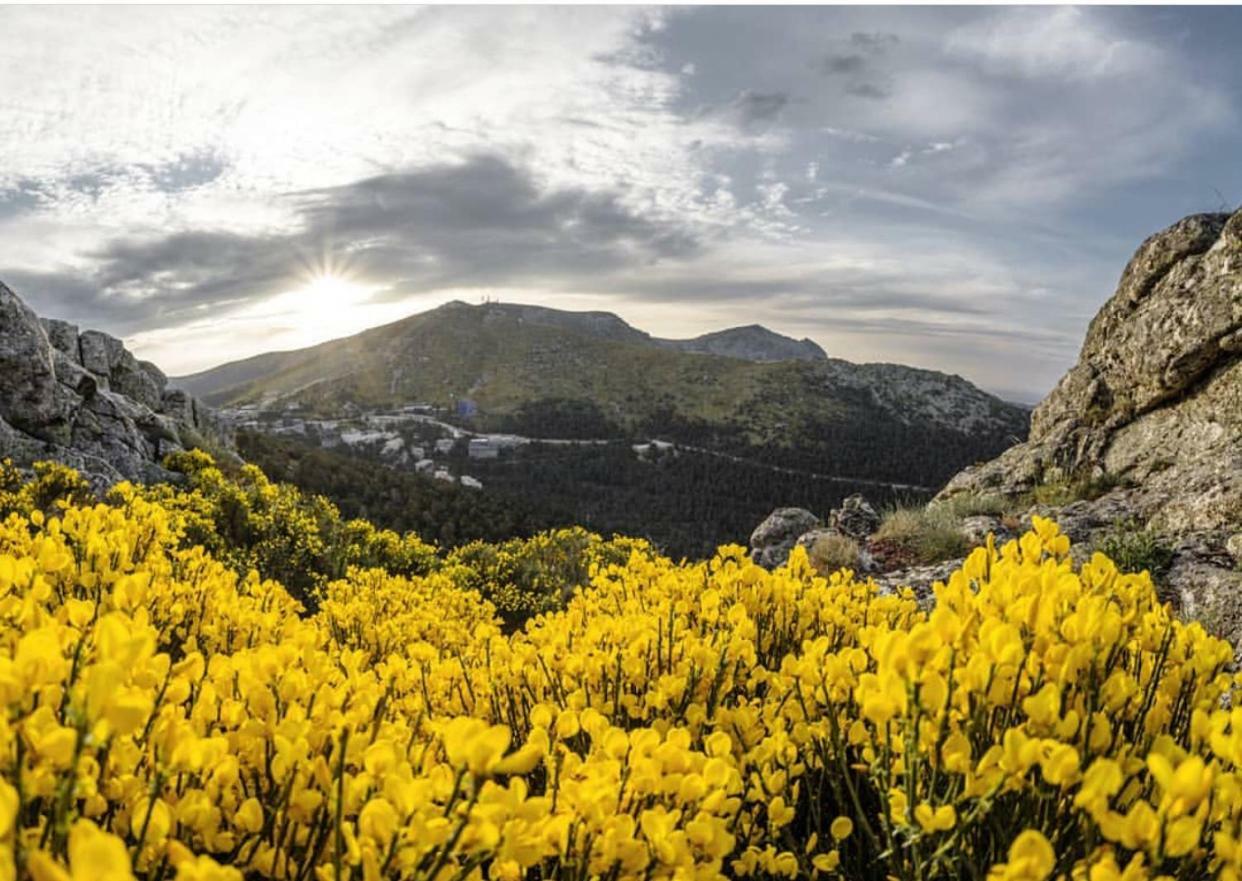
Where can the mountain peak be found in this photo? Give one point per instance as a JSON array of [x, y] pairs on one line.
[[747, 342], [753, 342]]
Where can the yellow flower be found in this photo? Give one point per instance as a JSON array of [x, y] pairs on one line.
[[935, 819], [1031, 858], [380, 758], [249, 817], [38, 659], [827, 862], [841, 828], [1184, 787], [97, 855], [780, 813], [204, 868], [378, 820], [1044, 707], [1182, 836]]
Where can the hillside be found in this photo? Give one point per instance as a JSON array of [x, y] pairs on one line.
[[502, 357], [238, 380], [559, 411]]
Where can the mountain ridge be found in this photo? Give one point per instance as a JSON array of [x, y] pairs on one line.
[[751, 342], [502, 355]]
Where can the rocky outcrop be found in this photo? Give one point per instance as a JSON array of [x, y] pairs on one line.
[[83, 399], [1154, 408], [1155, 399]]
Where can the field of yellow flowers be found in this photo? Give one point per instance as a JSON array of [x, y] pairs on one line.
[[168, 718]]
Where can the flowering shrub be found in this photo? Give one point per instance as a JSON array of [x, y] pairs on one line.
[[524, 577], [166, 718]]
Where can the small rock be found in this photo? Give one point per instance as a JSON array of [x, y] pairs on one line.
[[976, 529], [776, 536], [1234, 545], [855, 518], [920, 579]]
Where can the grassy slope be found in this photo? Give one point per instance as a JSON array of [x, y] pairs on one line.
[[500, 363]]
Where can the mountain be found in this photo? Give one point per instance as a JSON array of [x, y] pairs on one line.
[[754, 342], [595, 422], [504, 357], [279, 371], [84, 399]]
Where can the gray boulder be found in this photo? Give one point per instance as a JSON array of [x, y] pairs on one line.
[[100, 352], [31, 400], [73, 375], [920, 579], [977, 528], [63, 336], [130, 379], [776, 536], [855, 518]]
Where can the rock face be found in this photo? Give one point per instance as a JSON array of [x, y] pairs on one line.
[[83, 399], [1156, 396], [1154, 405]]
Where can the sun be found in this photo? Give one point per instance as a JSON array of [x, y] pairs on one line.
[[325, 296]]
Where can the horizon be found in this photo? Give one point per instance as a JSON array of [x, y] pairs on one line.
[[956, 189]]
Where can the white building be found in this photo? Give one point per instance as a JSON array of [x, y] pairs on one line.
[[445, 445], [473, 483], [483, 448], [424, 466]]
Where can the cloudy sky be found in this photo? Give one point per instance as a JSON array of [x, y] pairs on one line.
[[949, 188]]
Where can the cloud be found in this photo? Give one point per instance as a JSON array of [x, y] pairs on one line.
[[844, 64], [874, 42], [871, 91], [1060, 43], [757, 109], [861, 66], [953, 172], [479, 222]]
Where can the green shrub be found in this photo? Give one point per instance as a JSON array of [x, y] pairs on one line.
[[53, 488], [1062, 492], [831, 552], [1135, 549], [972, 504], [299, 538], [526, 577], [928, 534]]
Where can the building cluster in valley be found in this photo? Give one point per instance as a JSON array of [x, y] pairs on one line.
[[415, 438]]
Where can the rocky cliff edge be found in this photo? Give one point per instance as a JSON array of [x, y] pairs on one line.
[[83, 399], [1147, 425]]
